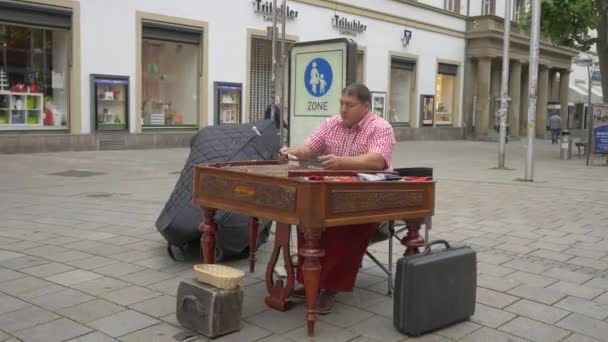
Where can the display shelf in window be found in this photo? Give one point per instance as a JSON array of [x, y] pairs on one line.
[[427, 110], [19, 110], [111, 104], [227, 102], [378, 102]]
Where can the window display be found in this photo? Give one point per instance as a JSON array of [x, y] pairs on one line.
[[402, 86], [170, 84], [33, 65], [111, 102], [445, 94], [378, 100], [427, 108], [227, 103]]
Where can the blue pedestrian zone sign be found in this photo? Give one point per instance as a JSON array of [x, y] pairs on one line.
[[318, 77], [600, 128]]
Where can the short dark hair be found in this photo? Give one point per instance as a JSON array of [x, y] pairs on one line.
[[358, 90]]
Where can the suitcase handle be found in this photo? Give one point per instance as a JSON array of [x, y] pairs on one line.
[[194, 300], [427, 249]]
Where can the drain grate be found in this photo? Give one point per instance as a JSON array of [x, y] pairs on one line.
[[76, 173], [100, 195], [107, 145]]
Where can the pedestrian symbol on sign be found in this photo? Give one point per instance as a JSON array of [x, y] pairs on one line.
[[318, 77]]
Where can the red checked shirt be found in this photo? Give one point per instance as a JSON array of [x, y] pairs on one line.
[[371, 134]]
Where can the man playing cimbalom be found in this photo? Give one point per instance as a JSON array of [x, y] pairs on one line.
[[357, 139]]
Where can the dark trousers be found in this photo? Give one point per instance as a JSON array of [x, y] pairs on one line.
[[555, 132], [344, 248]]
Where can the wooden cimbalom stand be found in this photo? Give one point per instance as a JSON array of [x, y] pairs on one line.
[[283, 192]]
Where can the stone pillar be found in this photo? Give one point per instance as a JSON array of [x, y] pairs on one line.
[[484, 77], [564, 89], [541, 104], [515, 92], [552, 93], [468, 92]]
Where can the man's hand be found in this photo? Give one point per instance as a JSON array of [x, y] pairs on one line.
[[331, 162], [283, 151], [286, 152]]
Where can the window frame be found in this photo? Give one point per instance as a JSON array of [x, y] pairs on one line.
[[488, 7], [203, 111], [409, 63]]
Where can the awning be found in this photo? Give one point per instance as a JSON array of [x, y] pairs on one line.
[[578, 93]]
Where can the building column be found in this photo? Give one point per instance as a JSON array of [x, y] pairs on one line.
[[552, 94], [541, 104], [515, 86], [469, 93], [484, 77], [564, 89]]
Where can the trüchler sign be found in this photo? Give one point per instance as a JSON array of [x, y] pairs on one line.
[[346, 26], [266, 9]]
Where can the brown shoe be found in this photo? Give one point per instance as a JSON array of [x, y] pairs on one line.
[[300, 292], [325, 302]]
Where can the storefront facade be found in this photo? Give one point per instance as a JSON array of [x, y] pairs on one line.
[[39, 66], [132, 74]]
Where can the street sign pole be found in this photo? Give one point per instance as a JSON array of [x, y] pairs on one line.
[[504, 89], [533, 88]]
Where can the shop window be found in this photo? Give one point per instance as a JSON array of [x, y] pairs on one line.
[[171, 65], [34, 61], [445, 94], [402, 81]]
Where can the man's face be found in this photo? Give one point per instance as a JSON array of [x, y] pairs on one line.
[[352, 110]]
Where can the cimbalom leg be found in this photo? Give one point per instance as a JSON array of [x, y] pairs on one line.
[[254, 227], [279, 292], [209, 229], [311, 269]]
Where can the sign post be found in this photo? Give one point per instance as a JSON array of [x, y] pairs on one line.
[[318, 71]]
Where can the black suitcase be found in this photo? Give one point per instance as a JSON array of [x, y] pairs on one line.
[[435, 288]]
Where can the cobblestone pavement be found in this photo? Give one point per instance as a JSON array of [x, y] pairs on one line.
[[80, 259]]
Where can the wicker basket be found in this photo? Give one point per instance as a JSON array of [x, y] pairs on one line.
[[223, 277]]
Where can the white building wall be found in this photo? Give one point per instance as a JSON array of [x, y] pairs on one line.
[[435, 3], [413, 12], [107, 42], [475, 8], [108, 38]]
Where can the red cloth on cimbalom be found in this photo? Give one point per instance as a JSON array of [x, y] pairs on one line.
[[344, 250], [345, 246]]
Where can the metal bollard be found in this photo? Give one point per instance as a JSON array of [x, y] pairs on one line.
[[565, 147]]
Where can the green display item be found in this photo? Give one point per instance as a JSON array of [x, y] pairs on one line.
[[152, 68], [3, 119], [32, 119], [31, 102]]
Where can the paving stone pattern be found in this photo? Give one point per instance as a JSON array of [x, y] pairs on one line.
[[80, 259]]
